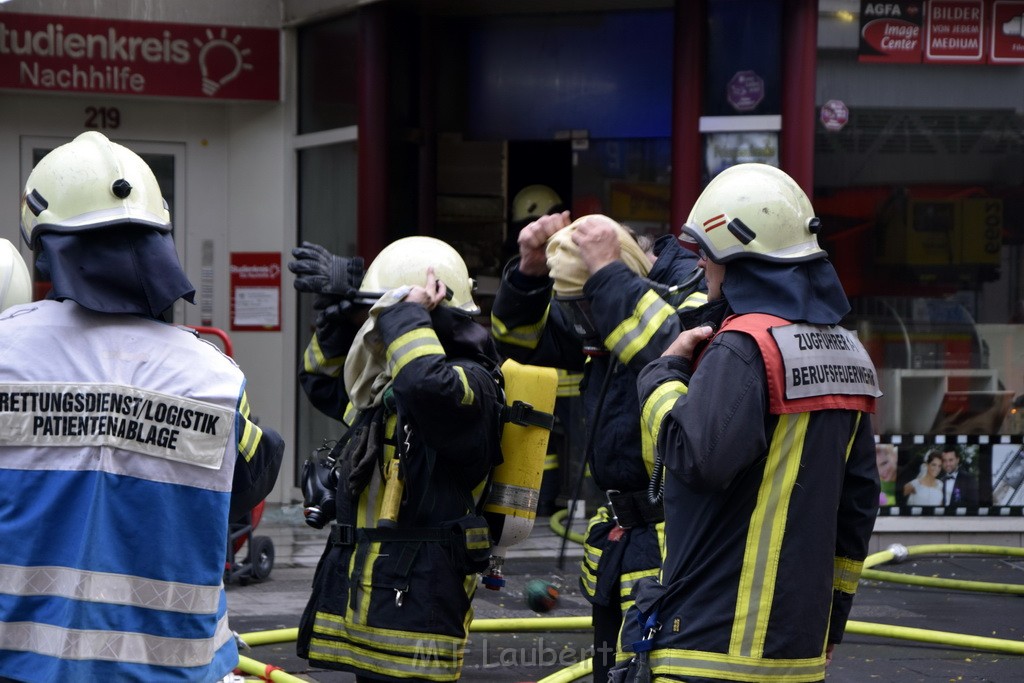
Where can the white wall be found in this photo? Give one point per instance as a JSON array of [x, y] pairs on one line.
[[239, 184]]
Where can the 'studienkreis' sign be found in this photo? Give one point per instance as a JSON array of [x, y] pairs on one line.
[[72, 54]]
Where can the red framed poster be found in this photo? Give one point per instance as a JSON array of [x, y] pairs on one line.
[[256, 291]]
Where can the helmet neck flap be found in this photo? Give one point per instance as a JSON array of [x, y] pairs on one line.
[[115, 270], [807, 291]]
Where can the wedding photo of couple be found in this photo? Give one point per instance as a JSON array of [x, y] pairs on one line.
[[942, 478]]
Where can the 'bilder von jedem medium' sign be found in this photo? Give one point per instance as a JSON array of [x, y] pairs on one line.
[[74, 54]]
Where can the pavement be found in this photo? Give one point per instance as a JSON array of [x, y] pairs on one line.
[[948, 634]]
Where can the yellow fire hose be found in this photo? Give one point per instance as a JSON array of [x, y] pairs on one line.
[[895, 553]]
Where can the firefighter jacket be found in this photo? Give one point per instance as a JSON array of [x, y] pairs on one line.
[[636, 324], [120, 437], [322, 364], [395, 602], [771, 492]]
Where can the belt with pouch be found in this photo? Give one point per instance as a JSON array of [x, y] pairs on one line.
[[633, 508]]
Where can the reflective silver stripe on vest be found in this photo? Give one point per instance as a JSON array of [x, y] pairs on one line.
[[115, 589], [117, 646], [118, 463]]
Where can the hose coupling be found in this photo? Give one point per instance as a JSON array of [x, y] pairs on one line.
[[899, 552]]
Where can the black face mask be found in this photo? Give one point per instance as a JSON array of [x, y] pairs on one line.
[[576, 310]]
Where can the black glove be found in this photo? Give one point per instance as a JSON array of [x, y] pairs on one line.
[[331, 308], [321, 272]]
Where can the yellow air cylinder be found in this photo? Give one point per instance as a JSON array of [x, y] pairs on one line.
[[511, 506]]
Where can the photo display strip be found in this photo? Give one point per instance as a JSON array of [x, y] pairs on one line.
[[951, 475]]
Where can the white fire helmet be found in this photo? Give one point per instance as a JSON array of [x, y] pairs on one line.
[[754, 211], [534, 201], [404, 262], [91, 183], [15, 281]]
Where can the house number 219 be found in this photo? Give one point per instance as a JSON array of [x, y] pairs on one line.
[[102, 117]]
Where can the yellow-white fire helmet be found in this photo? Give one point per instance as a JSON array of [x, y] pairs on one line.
[[534, 201], [404, 262], [754, 211], [15, 281], [91, 183]]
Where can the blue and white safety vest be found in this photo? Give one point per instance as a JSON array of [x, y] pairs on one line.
[[117, 448]]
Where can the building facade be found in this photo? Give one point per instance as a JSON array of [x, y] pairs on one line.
[[375, 120]]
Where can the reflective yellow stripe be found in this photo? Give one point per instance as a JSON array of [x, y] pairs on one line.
[[526, 336], [695, 300], [654, 410], [588, 578], [412, 345], [400, 641], [846, 571], [588, 568], [551, 462], [243, 405], [629, 580], [764, 537], [635, 332], [428, 659], [659, 404], [660, 528], [249, 440], [853, 437], [731, 667], [372, 498], [568, 383], [388, 652], [846, 574], [477, 539], [592, 554], [315, 363], [467, 392]]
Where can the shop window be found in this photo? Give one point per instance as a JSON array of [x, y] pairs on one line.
[[589, 69], [920, 188], [743, 58], [327, 216]]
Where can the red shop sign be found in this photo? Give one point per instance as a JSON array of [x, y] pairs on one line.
[[73, 54], [890, 32], [955, 31], [1007, 32]]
